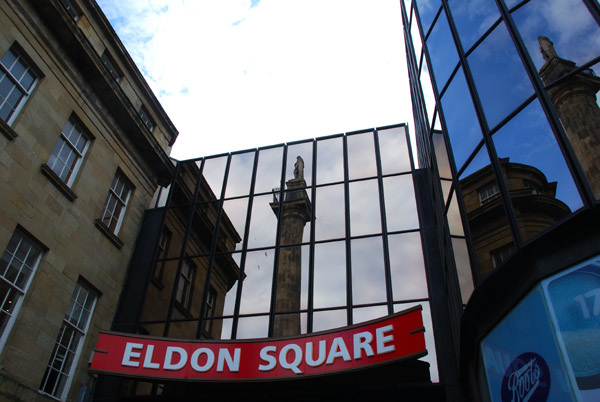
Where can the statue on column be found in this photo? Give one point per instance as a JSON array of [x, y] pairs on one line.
[[547, 48], [299, 168]]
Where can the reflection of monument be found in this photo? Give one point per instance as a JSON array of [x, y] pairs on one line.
[[296, 212], [534, 202], [575, 101]]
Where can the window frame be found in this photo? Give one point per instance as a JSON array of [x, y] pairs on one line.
[[162, 252], [119, 178], [183, 296], [209, 311], [148, 121], [41, 249], [111, 66], [489, 196], [5, 73], [79, 333], [66, 141]]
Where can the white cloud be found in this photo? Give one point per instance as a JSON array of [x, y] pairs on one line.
[[241, 74]]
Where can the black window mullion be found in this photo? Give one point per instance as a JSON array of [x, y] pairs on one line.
[[311, 255], [238, 293], [213, 248], [349, 313], [186, 236]]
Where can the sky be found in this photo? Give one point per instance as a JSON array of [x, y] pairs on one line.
[[240, 74]]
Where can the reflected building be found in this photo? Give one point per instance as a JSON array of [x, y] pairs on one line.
[[296, 211]]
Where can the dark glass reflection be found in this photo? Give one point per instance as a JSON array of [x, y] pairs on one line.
[[427, 11], [486, 215], [575, 38], [442, 51], [500, 78], [473, 19], [461, 120]]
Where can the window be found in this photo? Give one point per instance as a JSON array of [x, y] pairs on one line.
[[161, 253], [488, 192], [17, 266], [209, 312], [71, 9], [500, 254], [69, 342], [184, 287], [69, 151], [145, 116], [110, 64], [17, 80], [116, 203]]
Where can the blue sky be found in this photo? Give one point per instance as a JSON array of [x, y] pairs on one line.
[[240, 74]]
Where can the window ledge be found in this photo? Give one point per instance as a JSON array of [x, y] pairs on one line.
[[60, 185], [7, 130], [110, 235]]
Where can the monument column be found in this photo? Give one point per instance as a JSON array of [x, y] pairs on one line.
[[575, 101], [296, 212]]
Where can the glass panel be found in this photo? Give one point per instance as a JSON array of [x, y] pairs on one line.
[[330, 220], [263, 223], [323, 320], [407, 266], [368, 271], [540, 184], [499, 75], [416, 39], [253, 327], [240, 174], [304, 151], [365, 217], [461, 120], [454, 217], [428, 94], [472, 19], [400, 204], [361, 156], [213, 172], [185, 185], [429, 337], [330, 275], [427, 11], [363, 314], [233, 222], [575, 38], [441, 154], [463, 268], [446, 187], [393, 150], [268, 175], [485, 212], [256, 293], [442, 51], [226, 324], [330, 163]]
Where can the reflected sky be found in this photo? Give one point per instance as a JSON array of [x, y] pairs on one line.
[[472, 19]]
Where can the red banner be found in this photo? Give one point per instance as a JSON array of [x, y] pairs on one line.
[[395, 337]]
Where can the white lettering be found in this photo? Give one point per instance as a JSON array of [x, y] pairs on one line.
[[362, 341], [524, 381], [233, 363], [382, 339], [322, 354], [338, 349], [210, 359], [297, 359], [148, 358], [169, 365], [265, 356], [129, 354]]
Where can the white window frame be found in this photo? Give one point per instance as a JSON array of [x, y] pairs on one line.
[[209, 311], [22, 239], [488, 192], [6, 73], [65, 141], [79, 326], [121, 199], [186, 283]]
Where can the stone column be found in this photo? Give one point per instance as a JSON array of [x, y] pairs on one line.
[[575, 102], [296, 212]]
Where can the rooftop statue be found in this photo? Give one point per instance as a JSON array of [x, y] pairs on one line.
[[299, 168], [547, 48]]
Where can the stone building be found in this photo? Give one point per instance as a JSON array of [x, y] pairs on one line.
[[84, 147]]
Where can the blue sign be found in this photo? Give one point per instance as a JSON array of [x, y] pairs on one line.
[[526, 379]]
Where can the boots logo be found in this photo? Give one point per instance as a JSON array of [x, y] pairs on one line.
[[527, 379]]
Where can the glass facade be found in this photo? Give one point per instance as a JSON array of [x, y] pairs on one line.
[[504, 98]]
